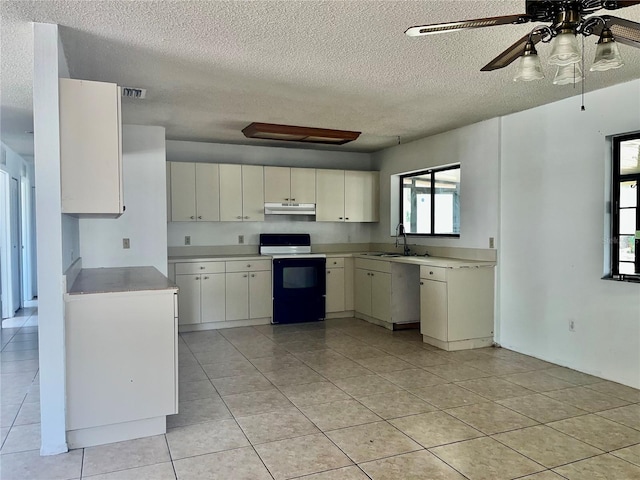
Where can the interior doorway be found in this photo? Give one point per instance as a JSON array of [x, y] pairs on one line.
[[10, 245]]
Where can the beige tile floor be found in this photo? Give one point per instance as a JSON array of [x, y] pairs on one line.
[[343, 400]]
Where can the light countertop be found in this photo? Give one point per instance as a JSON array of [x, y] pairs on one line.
[[120, 279]]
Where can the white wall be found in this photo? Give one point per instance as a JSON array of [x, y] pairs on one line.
[[144, 221], [554, 178], [226, 233], [476, 147]]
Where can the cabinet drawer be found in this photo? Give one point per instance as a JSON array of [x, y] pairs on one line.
[[433, 273], [335, 262], [199, 267], [248, 265], [374, 265]]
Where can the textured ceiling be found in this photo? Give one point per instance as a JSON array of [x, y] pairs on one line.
[[212, 67]]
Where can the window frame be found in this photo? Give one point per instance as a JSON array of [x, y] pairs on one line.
[[432, 171], [616, 179]]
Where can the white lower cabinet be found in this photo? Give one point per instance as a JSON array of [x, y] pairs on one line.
[[456, 306], [340, 283], [212, 297], [386, 293], [237, 297], [188, 299], [260, 295], [335, 290]]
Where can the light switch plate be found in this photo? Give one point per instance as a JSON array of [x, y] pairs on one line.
[[492, 242], [125, 243], [187, 239], [240, 239]]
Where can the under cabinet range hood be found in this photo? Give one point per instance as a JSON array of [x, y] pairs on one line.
[[289, 208]]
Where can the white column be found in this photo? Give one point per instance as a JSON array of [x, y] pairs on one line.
[[49, 238]]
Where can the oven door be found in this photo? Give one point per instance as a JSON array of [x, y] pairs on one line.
[[299, 290]]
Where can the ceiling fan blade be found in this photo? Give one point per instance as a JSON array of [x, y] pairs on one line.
[[624, 31], [615, 4], [478, 23], [511, 53]]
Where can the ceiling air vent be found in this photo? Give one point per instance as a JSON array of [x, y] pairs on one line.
[[289, 133], [139, 93]]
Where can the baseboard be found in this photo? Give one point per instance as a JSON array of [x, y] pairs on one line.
[[89, 437], [30, 304], [196, 327]]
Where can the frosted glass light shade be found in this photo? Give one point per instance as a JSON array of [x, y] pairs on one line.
[[568, 74], [565, 50], [529, 68], [607, 57]]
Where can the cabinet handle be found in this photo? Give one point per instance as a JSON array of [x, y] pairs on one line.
[[246, 218], [206, 278], [346, 218], [287, 199], [192, 217], [248, 265], [430, 273], [200, 217], [340, 218], [240, 217], [253, 275], [421, 283], [244, 276], [201, 268], [197, 278], [293, 199], [335, 263], [328, 272]]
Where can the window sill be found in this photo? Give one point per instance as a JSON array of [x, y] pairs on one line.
[[625, 279]]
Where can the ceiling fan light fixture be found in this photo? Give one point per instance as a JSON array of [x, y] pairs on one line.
[[607, 53], [565, 49], [529, 67], [568, 74], [291, 133]]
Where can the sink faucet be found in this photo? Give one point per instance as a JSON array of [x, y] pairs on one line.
[[400, 230]]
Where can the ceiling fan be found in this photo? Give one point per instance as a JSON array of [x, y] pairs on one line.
[[567, 19]]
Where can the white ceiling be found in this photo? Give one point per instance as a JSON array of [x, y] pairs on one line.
[[212, 67]]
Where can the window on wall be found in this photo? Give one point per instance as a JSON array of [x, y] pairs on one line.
[[430, 202], [625, 252]]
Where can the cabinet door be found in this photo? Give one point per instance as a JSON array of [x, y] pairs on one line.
[[277, 182], [253, 193], [212, 297], [260, 296], [303, 185], [329, 195], [188, 299], [90, 147], [183, 192], [230, 193], [363, 291], [237, 296], [361, 196], [433, 309], [381, 296], [335, 290], [207, 192]]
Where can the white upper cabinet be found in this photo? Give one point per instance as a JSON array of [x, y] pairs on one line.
[[303, 185], [207, 192], [347, 196], [330, 195], [241, 193], [289, 185], [277, 184], [230, 193], [361, 194], [90, 148], [195, 192], [252, 193]]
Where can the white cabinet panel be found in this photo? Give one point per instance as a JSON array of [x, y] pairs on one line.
[[90, 148], [252, 193], [277, 184], [433, 309], [260, 296], [207, 182], [183, 191], [335, 290], [212, 297], [303, 185], [363, 291], [349, 284], [237, 296], [188, 299], [230, 193], [361, 196], [381, 296], [330, 195]]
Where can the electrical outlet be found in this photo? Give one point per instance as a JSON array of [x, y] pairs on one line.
[[492, 242], [187, 239], [572, 325], [125, 243], [240, 238]]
